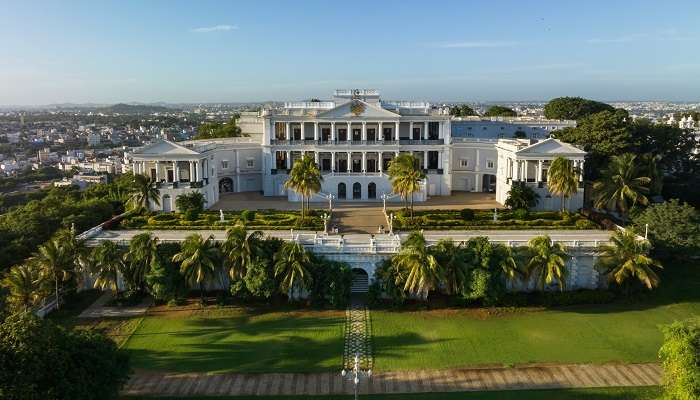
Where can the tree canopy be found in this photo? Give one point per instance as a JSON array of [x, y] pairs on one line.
[[674, 228], [462, 110], [500, 111], [212, 130], [574, 108]]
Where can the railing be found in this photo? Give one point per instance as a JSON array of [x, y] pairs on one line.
[[356, 92], [569, 244], [279, 171], [311, 142], [421, 141], [182, 185], [438, 171], [337, 173], [406, 104], [324, 105]]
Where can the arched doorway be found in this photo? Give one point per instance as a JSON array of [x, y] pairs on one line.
[[488, 183], [372, 190], [341, 191], [166, 203], [360, 281], [226, 185], [356, 191]]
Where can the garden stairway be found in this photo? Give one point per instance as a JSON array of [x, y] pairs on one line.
[[358, 334]]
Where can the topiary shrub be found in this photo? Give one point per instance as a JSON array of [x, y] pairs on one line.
[[247, 216], [467, 214], [680, 359], [521, 214]]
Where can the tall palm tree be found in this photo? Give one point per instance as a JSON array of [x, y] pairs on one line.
[[240, 250], [143, 192], [405, 176], [56, 262], [304, 178], [421, 269], [24, 284], [547, 262], [627, 257], [622, 185], [455, 263], [506, 263], [142, 249], [199, 260], [292, 263], [108, 264], [562, 179]]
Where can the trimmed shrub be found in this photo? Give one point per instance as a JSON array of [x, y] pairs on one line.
[[521, 214], [247, 216], [467, 214], [680, 355]]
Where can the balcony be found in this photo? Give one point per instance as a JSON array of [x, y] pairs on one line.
[[312, 142], [422, 141], [434, 171], [279, 171], [182, 185]]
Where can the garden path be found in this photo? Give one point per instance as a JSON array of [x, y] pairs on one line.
[[358, 335], [98, 309], [149, 383]]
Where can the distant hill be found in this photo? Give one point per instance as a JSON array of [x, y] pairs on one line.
[[122, 108]]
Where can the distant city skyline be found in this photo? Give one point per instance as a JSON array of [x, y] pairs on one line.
[[223, 52]]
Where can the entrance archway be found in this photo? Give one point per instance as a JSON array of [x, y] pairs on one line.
[[356, 191], [341, 191], [360, 281], [226, 185]]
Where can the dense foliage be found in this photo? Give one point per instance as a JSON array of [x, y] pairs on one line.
[[484, 219], [500, 111], [680, 355], [673, 228], [521, 196], [190, 205], [212, 130], [28, 176], [262, 219], [573, 108], [462, 111], [39, 360]]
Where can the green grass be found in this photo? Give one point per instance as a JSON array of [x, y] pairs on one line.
[[234, 339], [627, 393], [483, 219], [263, 220], [581, 334]]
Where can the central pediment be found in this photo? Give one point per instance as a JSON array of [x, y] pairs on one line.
[[357, 109]]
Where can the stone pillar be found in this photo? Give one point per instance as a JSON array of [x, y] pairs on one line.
[[364, 161], [143, 168], [410, 130], [477, 183], [539, 171], [333, 161], [349, 134], [289, 159], [176, 172], [477, 164], [192, 173], [440, 159], [425, 159], [301, 128], [380, 131], [316, 131], [157, 171], [580, 168], [525, 165], [397, 133], [349, 163], [364, 131], [288, 131], [425, 131], [516, 170], [316, 157], [333, 132]]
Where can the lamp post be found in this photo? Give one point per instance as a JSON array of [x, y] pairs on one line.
[[330, 198], [384, 202], [356, 373], [391, 223], [326, 217]]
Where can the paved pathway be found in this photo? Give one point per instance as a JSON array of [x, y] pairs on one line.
[[457, 380], [99, 310], [358, 335]]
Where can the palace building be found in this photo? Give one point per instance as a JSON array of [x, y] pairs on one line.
[[353, 137]]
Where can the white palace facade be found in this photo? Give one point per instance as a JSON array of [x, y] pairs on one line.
[[353, 138]]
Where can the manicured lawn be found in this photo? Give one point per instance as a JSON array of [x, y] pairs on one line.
[[628, 393], [234, 339], [261, 219], [483, 219], [583, 334]]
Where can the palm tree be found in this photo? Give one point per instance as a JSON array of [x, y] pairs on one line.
[[420, 266], [143, 193], [627, 257], [199, 260], [547, 262], [304, 178], [405, 176], [455, 263], [622, 185], [241, 249], [108, 264], [142, 249], [562, 179], [506, 262], [56, 262], [24, 284], [292, 263]]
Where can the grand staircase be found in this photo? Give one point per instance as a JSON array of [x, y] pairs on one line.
[[360, 282]]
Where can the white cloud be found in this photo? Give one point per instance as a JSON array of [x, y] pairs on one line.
[[215, 28], [475, 45]]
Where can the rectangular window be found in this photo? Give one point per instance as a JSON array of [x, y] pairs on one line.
[[250, 163], [464, 162], [224, 164], [489, 164]]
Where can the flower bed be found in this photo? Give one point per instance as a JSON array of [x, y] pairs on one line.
[[262, 220], [483, 219]]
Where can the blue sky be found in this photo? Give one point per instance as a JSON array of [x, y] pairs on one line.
[[211, 51]]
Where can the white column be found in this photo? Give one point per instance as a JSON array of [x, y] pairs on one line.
[[349, 163], [301, 128], [580, 168], [477, 183], [176, 172], [348, 136], [289, 159], [157, 171], [288, 131], [380, 131], [516, 170], [477, 165], [364, 161], [539, 171], [425, 131], [425, 159], [316, 131], [440, 159], [364, 131], [316, 157], [380, 161], [440, 133], [410, 130], [333, 132], [397, 133], [333, 161], [192, 173], [143, 168], [197, 172]]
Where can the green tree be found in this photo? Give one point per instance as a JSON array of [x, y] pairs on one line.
[[674, 228], [562, 179], [462, 111], [455, 263], [25, 285], [142, 193], [139, 257], [212, 130], [680, 360], [573, 108], [108, 264], [671, 146], [199, 260], [405, 176], [56, 263], [421, 269], [190, 205], [39, 360], [622, 185], [163, 279], [241, 250], [500, 111], [627, 257], [546, 262], [292, 264], [521, 197], [305, 179]]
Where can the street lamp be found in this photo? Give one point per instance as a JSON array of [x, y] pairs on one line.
[[356, 373], [330, 198], [391, 223], [326, 217]]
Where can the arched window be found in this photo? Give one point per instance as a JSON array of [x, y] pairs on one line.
[[356, 191], [372, 190], [341, 190]]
